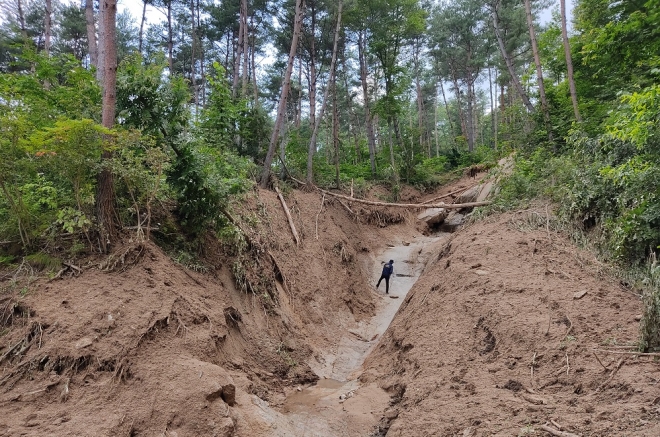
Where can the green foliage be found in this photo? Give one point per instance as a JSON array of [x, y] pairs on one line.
[[43, 261], [140, 166], [150, 100], [203, 178]]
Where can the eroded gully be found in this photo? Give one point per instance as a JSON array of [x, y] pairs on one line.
[[339, 405]]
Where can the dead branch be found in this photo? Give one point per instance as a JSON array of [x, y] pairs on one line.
[[348, 208], [72, 267], [557, 433], [400, 205], [600, 362], [558, 426], [288, 216], [448, 194], [618, 366], [407, 205]]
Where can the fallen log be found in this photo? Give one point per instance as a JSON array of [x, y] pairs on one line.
[[407, 205], [399, 205], [447, 195], [288, 216]]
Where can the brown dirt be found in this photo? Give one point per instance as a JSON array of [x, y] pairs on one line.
[[150, 348], [499, 302]]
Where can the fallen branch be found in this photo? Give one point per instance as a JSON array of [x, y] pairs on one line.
[[348, 208], [408, 205], [556, 432], [600, 362], [288, 216], [448, 194], [618, 366], [533, 400], [400, 205]]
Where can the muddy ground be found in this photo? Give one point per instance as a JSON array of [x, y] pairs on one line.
[[493, 333]]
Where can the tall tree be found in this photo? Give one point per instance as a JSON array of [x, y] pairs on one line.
[[539, 69], [105, 195], [312, 142], [286, 86], [392, 26], [48, 26], [368, 115], [142, 21], [91, 33], [569, 61], [461, 42]]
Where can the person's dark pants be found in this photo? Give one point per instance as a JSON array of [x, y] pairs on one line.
[[387, 283]]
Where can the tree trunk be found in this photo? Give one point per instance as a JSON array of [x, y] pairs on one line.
[[100, 50], [201, 59], [420, 103], [539, 70], [92, 46], [497, 111], [353, 122], [435, 124], [298, 96], [244, 83], [312, 142], [335, 129], [371, 138], [255, 90], [569, 61], [470, 115], [444, 99], [286, 86], [238, 52], [21, 19], [312, 75], [105, 196], [193, 72], [170, 38], [48, 22], [144, 17], [459, 104], [492, 104], [509, 64]]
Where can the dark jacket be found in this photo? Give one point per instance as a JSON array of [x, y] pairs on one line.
[[387, 270]]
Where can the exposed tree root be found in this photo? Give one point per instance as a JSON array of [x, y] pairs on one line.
[[121, 260]]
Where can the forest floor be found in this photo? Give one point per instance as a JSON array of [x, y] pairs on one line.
[[501, 328]]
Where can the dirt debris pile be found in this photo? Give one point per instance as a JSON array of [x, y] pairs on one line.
[[512, 330]]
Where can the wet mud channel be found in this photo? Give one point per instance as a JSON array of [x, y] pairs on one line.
[[339, 405]]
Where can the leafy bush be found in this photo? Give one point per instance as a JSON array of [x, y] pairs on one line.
[[203, 179]]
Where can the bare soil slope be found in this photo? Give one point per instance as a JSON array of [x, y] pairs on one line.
[[497, 338], [137, 345]]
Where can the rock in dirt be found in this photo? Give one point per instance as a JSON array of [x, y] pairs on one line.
[[433, 216], [453, 221], [393, 297], [579, 294], [229, 394], [226, 392], [84, 342], [225, 427]]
